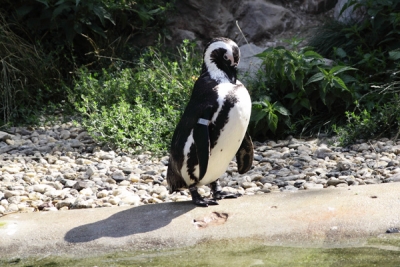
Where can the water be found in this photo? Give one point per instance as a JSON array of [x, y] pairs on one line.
[[381, 251]]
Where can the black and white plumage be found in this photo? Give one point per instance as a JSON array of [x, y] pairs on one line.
[[213, 127]]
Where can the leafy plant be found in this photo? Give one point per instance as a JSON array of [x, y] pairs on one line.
[[138, 109], [300, 86], [370, 45], [44, 42], [272, 112]]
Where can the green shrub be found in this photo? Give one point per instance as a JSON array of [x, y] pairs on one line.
[[138, 109], [383, 121], [301, 92], [44, 42], [372, 46]]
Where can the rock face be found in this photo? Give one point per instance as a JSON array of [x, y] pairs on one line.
[[317, 6], [248, 62], [349, 14], [259, 20]]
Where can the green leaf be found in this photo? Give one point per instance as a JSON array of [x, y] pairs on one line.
[[312, 54], [322, 94], [339, 83], [98, 30], [394, 55], [315, 78], [260, 104], [292, 95], [272, 121], [299, 77], [290, 55], [338, 69], [99, 11], [264, 53], [305, 103], [258, 115], [103, 14], [348, 78], [281, 109], [44, 2], [340, 52], [58, 10]]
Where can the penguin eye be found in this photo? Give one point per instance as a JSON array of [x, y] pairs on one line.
[[226, 57]]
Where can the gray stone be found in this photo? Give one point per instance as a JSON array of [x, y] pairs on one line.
[[343, 165], [293, 177], [311, 186], [12, 208], [74, 143], [91, 170], [82, 136], [127, 170], [68, 183], [118, 175], [5, 136], [106, 155], [79, 185], [65, 134], [42, 188], [323, 152], [2, 210], [335, 181], [299, 183], [290, 188]]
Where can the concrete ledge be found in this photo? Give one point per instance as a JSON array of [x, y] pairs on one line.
[[337, 217]]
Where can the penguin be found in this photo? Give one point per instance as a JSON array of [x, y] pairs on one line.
[[213, 127]]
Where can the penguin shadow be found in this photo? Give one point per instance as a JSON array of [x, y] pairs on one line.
[[132, 221]]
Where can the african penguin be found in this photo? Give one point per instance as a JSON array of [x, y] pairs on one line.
[[213, 126]]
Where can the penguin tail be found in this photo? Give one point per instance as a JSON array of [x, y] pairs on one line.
[[174, 180]]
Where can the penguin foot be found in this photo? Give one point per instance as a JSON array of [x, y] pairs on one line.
[[219, 194], [204, 202], [223, 194], [199, 200]]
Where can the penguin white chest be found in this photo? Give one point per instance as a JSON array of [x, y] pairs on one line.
[[232, 132], [229, 125]]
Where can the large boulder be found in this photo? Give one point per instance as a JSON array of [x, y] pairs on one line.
[[249, 64], [317, 6], [259, 20], [349, 15]]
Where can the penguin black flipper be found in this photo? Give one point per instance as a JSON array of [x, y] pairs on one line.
[[245, 154], [201, 138]]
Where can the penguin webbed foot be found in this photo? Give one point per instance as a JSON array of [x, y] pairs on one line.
[[223, 194], [204, 202], [199, 200], [219, 194]]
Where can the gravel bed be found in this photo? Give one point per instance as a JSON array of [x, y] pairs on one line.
[[61, 167]]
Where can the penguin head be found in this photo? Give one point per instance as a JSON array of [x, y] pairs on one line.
[[221, 57]]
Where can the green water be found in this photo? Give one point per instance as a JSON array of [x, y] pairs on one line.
[[378, 252]]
